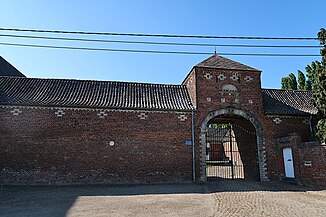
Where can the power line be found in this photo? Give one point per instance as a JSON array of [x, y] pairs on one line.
[[154, 51], [160, 43], [157, 35]]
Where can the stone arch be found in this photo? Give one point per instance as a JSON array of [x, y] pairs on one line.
[[229, 88], [259, 139]]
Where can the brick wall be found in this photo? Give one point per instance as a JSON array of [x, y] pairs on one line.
[[308, 159], [212, 88], [62, 146], [190, 82], [312, 160], [281, 127], [210, 93]]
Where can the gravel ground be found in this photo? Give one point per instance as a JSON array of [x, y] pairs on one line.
[[221, 198]]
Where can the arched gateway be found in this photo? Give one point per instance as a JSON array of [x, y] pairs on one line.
[[231, 143], [229, 114]]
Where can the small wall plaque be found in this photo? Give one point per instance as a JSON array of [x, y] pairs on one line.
[[307, 163]]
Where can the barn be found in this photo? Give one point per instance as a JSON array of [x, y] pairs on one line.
[[218, 124]]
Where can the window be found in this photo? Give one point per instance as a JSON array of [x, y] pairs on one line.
[[229, 88]]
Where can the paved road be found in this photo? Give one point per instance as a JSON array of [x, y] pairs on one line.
[[236, 198], [223, 198]]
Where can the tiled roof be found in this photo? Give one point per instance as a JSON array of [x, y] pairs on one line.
[[97, 94], [288, 102], [6, 69], [217, 135], [220, 62]]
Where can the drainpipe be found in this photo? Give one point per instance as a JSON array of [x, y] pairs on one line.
[[311, 129], [193, 147]]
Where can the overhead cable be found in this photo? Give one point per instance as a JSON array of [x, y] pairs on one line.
[[157, 35], [153, 51], [160, 43]]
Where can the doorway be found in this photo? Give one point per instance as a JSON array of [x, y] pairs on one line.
[[231, 151], [288, 163]]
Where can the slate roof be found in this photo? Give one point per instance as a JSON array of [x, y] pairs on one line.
[[6, 69], [288, 102], [222, 133], [96, 94], [220, 62]]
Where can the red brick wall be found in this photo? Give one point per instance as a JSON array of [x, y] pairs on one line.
[[210, 97], [37, 147], [316, 173], [308, 159], [272, 131], [208, 85], [212, 88], [190, 83]]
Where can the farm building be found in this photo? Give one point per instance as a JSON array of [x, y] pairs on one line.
[[218, 124]]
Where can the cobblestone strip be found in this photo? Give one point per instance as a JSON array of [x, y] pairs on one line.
[[271, 199]]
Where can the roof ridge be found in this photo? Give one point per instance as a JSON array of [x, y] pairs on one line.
[[89, 80], [286, 90], [220, 62]]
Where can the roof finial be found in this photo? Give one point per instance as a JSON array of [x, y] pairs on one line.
[[215, 51]]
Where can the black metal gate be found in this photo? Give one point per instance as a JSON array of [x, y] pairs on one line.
[[230, 152]]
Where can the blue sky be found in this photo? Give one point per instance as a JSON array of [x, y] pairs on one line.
[[225, 18]]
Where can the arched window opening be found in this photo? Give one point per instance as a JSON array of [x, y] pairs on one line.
[[229, 88]]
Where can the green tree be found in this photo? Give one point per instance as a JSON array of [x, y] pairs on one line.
[[308, 85], [315, 81], [311, 74], [319, 89], [304, 82], [285, 83], [289, 82], [293, 84], [301, 80]]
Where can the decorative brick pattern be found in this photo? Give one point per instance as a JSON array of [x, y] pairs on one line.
[[59, 113], [221, 77], [234, 77], [142, 116], [248, 79], [208, 76], [209, 99], [277, 120], [182, 117], [306, 121], [16, 111], [102, 114]]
